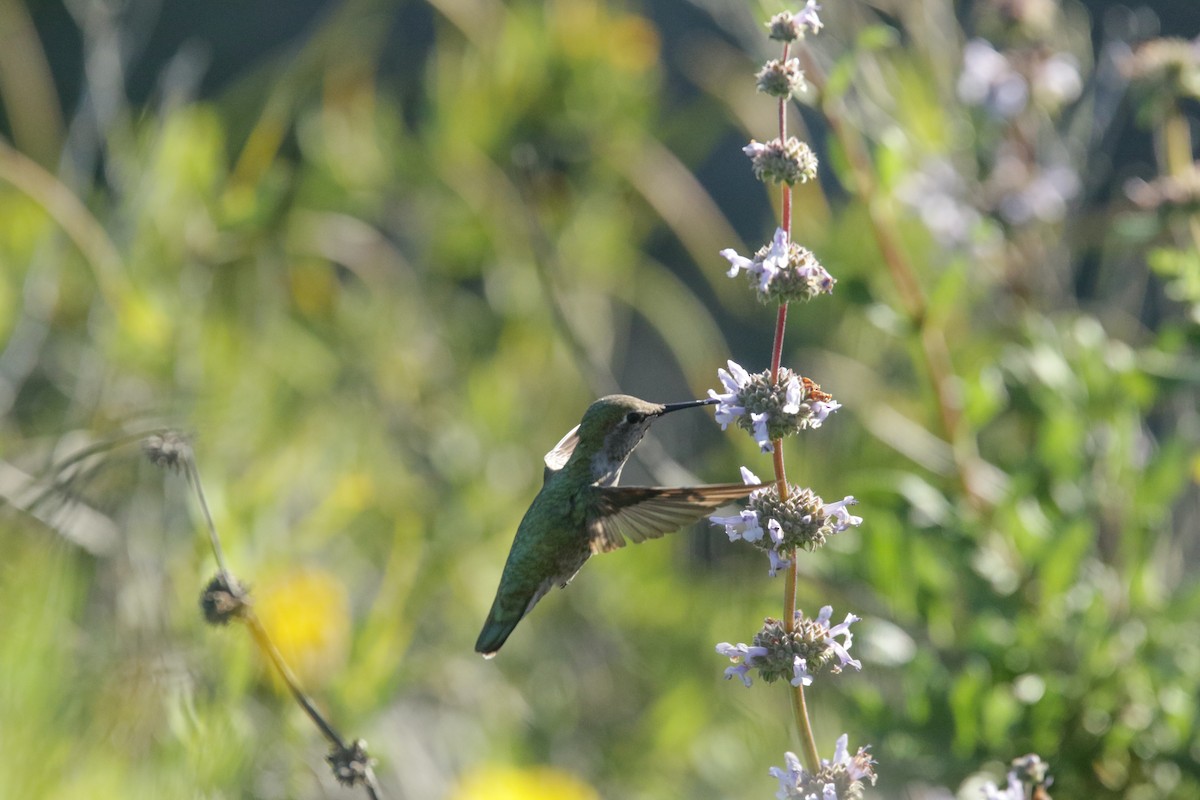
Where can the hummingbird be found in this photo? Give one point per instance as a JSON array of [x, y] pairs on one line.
[[580, 510]]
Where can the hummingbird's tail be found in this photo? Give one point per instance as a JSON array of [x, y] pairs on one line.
[[508, 609], [494, 634]]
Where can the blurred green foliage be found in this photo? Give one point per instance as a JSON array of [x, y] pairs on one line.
[[376, 301]]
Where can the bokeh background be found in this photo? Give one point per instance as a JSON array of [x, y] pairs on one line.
[[377, 256]]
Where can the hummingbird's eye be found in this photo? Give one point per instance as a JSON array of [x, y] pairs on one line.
[[633, 417]]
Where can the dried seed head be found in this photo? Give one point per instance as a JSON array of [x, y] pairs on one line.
[[787, 162], [223, 599], [169, 450], [351, 765], [780, 78], [788, 27]]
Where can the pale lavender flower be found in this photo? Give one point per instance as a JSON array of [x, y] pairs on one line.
[[840, 649], [822, 409], [743, 656], [1056, 80], [800, 673], [777, 255], [793, 396], [1043, 197], [762, 434], [844, 770], [790, 776], [729, 405], [744, 525], [941, 197], [778, 562], [737, 262], [755, 149], [842, 517], [1014, 791], [858, 766], [776, 530], [988, 79], [807, 16], [747, 525]]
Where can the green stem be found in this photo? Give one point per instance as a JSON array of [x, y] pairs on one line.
[[812, 760]]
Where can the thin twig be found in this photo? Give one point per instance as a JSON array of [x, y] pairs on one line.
[[350, 763], [193, 476]]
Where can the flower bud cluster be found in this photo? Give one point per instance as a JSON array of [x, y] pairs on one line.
[[767, 410], [798, 655], [788, 27], [350, 764], [169, 450], [782, 271], [223, 599], [838, 779], [777, 161], [779, 527], [781, 78]]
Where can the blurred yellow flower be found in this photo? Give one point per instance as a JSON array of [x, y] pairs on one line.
[[522, 783], [307, 614]]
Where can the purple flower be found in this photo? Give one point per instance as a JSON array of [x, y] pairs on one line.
[[762, 434], [843, 519], [754, 150], [766, 409], [729, 406], [744, 525], [988, 79], [778, 562], [840, 649], [793, 396], [797, 782], [790, 776], [737, 262], [822, 409], [743, 653], [807, 17], [857, 766], [800, 673], [1014, 791]]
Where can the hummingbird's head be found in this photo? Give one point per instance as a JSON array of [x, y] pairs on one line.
[[613, 425]]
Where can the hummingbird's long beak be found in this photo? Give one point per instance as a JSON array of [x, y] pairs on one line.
[[669, 407]]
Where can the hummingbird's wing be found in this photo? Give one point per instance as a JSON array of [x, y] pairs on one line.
[[640, 513], [557, 458]]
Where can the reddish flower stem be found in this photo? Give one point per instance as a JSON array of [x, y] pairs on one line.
[[799, 706]]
